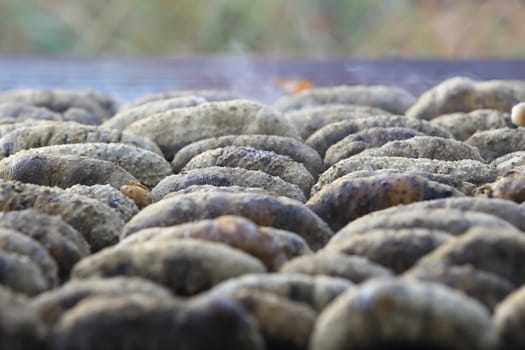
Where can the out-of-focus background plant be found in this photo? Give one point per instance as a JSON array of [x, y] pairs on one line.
[[318, 28]]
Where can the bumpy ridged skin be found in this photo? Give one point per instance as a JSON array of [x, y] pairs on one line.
[[51, 305], [292, 244], [310, 119], [464, 125], [21, 274], [329, 135], [95, 221], [362, 140], [250, 158], [130, 115], [354, 268], [509, 319], [497, 251], [224, 176], [224, 189], [509, 161], [148, 167], [81, 116], [347, 199], [20, 327], [11, 125], [485, 287], [60, 133], [465, 187], [187, 266], [99, 105], [397, 314], [425, 147], [506, 210], [63, 171], [208, 95], [397, 250], [177, 128], [463, 95], [392, 99], [278, 212], [110, 196], [316, 291], [498, 142], [139, 322], [510, 186], [453, 221], [64, 244], [20, 112], [287, 146], [284, 324], [466, 170], [12, 241], [233, 231]]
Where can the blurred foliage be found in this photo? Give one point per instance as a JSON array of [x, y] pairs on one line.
[[319, 28]]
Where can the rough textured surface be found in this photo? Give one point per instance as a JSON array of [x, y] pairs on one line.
[[254, 159], [100, 106], [310, 119], [397, 250], [12, 241], [510, 186], [509, 320], [463, 95], [63, 171], [464, 125], [329, 135], [485, 287], [497, 251], [113, 198], [135, 323], [187, 267], [453, 221], [208, 95], [129, 115], [20, 327], [509, 161], [425, 147], [283, 323], [177, 128], [292, 244], [21, 274], [148, 167], [362, 140], [233, 231], [224, 189], [316, 291], [392, 99], [99, 225], [9, 125], [466, 170], [347, 199], [52, 304], [64, 244], [398, 314], [20, 111], [225, 176], [287, 146], [498, 142], [465, 187], [506, 210], [60, 133], [354, 268], [278, 212]]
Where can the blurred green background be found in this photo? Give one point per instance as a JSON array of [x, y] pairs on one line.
[[313, 28]]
